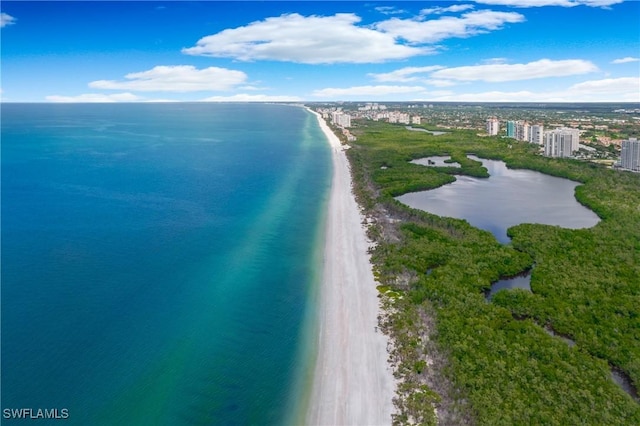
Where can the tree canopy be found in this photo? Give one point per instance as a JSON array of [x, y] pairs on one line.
[[496, 362]]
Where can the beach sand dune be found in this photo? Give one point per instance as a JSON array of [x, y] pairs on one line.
[[353, 383]]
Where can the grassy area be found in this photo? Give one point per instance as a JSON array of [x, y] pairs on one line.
[[494, 363]]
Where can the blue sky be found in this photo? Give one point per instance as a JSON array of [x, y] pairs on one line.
[[483, 50]]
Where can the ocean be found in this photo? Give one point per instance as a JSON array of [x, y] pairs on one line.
[[160, 262]]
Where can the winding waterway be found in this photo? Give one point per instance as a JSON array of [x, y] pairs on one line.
[[507, 198]]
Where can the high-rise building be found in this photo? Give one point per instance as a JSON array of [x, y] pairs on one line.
[[536, 134], [561, 142], [511, 129], [493, 126], [341, 119], [523, 131], [399, 117], [630, 155]]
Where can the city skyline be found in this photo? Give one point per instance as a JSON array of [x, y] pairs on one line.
[[310, 51]]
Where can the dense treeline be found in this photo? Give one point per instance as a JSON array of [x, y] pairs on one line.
[[496, 362]]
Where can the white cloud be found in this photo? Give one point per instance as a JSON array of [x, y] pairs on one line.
[[433, 94], [309, 40], [492, 96], [625, 60], [242, 97], [625, 89], [6, 19], [435, 30], [600, 3], [341, 39], [493, 70], [389, 10], [179, 78], [366, 91], [440, 83], [621, 86], [540, 3], [512, 72], [250, 87], [404, 75], [95, 97], [495, 61], [438, 10]]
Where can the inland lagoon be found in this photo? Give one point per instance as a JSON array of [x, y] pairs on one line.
[[505, 199]]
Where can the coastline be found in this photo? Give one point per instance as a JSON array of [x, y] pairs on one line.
[[352, 383]]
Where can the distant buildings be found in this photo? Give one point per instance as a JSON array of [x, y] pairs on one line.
[[519, 130], [415, 119], [341, 119], [561, 142], [493, 126], [536, 134], [630, 155], [511, 129], [399, 117], [523, 131], [347, 134], [372, 107]]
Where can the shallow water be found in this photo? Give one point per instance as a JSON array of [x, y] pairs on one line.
[[435, 161], [158, 260], [521, 281], [433, 132], [624, 381]]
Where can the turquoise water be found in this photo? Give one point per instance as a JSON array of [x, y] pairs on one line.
[[159, 261]]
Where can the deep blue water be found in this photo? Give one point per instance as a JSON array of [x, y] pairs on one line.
[[159, 261]]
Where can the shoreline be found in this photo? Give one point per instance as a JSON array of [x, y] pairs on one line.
[[353, 383]]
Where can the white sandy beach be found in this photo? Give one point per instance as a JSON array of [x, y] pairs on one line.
[[353, 383]]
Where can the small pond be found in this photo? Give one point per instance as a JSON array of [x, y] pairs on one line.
[[522, 280], [435, 161], [505, 199], [433, 132]]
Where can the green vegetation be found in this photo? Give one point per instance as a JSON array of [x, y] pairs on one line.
[[493, 363]]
